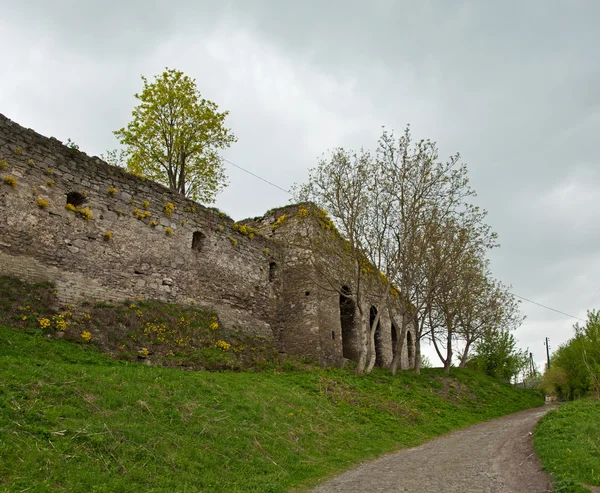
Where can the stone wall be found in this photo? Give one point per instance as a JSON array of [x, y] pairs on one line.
[[310, 298], [135, 238], [150, 253]]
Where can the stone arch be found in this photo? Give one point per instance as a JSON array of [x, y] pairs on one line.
[[273, 271], [394, 338], [76, 199], [379, 361], [198, 240], [348, 323], [410, 349]]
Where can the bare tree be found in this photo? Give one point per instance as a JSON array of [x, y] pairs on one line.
[[349, 187]]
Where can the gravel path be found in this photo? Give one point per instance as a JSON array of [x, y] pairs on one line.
[[492, 457]]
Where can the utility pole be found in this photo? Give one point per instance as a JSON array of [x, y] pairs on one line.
[[548, 353]]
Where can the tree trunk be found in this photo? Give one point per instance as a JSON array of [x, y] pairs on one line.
[[397, 360], [372, 349], [417, 355], [465, 355], [362, 357], [448, 362]]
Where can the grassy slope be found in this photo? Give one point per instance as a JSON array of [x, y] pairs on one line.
[[567, 440], [73, 419]]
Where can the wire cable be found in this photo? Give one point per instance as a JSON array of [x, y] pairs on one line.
[[548, 308], [594, 298], [259, 177], [520, 297]]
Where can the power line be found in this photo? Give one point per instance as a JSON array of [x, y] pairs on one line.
[[548, 308], [594, 298], [259, 177], [520, 297]]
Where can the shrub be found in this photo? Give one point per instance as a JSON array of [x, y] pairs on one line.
[[141, 214], [153, 223], [18, 150], [279, 222], [107, 235], [169, 208], [3, 164], [245, 230], [146, 204], [168, 231], [11, 181], [50, 183], [42, 203], [82, 211], [86, 336], [112, 191], [31, 162]]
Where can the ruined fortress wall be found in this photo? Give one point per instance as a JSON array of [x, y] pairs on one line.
[[191, 256], [313, 323]]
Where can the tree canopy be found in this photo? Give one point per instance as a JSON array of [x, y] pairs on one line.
[[408, 216], [175, 135], [575, 365]]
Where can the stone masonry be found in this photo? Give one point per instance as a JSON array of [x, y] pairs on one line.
[[140, 239]]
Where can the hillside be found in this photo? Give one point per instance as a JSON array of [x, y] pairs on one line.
[[73, 419], [567, 441]]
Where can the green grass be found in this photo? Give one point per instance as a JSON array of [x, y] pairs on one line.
[[72, 419], [567, 440]]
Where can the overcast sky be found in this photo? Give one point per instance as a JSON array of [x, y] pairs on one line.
[[514, 86]]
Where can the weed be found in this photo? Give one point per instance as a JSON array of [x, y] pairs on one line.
[[41, 203], [11, 181]]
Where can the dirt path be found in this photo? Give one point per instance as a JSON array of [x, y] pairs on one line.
[[492, 457]]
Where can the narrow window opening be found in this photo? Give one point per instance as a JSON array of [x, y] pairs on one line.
[[410, 350], [272, 271], [76, 199], [307, 293], [333, 335], [198, 240]]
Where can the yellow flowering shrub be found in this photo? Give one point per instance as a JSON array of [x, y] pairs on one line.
[[222, 345], [146, 204], [107, 235], [86, 336], [153, 223], [169, 208], [279, 222], [141, 214], [18, 150], [41, 203], [245, 230], [82, 211], [50, 183], [168, 231], [49, 171], [3, 164], [85, 213], [144, 352], [31, 162], [59, 322], [112, 191], [11, 181], [303, 212], [44, 323]]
